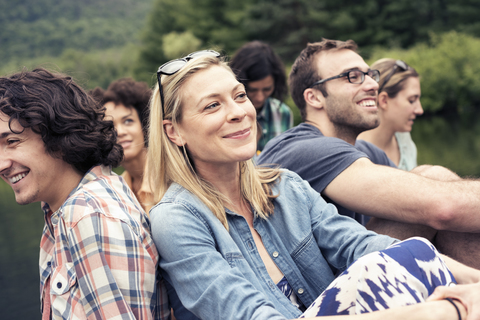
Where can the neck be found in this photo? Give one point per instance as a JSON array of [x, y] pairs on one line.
[[226, 179], [329, 129], [382, 136], [135, 167], [70, 180]]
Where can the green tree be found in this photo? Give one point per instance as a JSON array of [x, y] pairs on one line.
[[218, 24], [449, 68], [290, 24]]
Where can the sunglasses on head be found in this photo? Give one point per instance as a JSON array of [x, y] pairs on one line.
[[173, 66], [399, 65]]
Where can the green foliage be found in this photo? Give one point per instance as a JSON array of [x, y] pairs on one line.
[[90, 69], [453, 142], [217, 24], [31, 29], [449, 67], [20, 233], [177, 44]]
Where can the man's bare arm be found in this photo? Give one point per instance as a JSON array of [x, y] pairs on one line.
[[389, 193]]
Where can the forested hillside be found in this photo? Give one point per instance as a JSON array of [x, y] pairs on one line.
[[98, 41], [32, 28], [94, 40]]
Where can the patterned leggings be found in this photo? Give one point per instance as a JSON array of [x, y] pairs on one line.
[[405, 273]]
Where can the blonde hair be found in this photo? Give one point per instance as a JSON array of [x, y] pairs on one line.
[[170, 163], [397, 81]]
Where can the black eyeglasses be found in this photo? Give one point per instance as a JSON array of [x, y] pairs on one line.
[[354, 76], [173, 66], [399, 64]]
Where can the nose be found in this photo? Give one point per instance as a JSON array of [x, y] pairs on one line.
[[258, 98], [236, 112], [5, 162], [120, 130], [418, 109], [370, 83]]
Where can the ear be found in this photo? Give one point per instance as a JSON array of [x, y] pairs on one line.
[[383, 100], [172, 133], [314, 98]]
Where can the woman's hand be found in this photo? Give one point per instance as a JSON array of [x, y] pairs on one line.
[[468, 295]]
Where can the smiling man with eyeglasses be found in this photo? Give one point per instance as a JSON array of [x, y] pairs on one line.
[[336, 93]]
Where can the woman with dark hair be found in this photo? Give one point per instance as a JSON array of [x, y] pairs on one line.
[[398, 105], [262, 73], [126, 101], [237, 241]]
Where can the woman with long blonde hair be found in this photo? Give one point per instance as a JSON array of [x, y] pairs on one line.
[[241, 242]]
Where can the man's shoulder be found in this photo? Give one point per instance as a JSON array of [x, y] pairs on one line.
[[301, 140], [105, 194]]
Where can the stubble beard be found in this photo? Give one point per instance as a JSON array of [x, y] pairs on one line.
[[347, 121]]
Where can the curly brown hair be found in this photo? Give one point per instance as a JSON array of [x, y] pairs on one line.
[[70, 122], [132, 94]]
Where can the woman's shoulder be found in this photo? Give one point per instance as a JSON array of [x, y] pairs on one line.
[[179, 197]]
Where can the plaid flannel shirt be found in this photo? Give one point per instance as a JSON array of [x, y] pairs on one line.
[[98, 254], [274, 118]]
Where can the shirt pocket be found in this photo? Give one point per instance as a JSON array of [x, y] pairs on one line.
[[235, 259], [63, 279]]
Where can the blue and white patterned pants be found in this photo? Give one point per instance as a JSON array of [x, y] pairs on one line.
[[405, 273]]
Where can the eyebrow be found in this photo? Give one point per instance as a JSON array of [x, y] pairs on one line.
[[214, 95], [128, 115], [5, 134], [352, 69]]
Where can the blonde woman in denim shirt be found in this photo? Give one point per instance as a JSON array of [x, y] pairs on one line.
[[241, 242]]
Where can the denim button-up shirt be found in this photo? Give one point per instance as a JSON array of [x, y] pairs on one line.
[[219, 274]]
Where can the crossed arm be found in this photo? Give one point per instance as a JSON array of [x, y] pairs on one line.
[[437, 198]]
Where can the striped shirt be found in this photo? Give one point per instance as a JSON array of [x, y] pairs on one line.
[[98, 256]]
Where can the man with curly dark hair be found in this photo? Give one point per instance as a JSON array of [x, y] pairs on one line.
[[97, 259]]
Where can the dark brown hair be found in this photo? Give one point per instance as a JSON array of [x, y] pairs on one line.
[[131, 94], [69, 121], [256, 60], [304, 70]]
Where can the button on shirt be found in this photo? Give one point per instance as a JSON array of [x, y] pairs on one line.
[[213, 273], [98, 256]]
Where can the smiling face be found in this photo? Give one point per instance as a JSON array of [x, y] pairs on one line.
[[351, 108], [259, 91], [129, 129], [33, 174], [404, 107], [218, 125]]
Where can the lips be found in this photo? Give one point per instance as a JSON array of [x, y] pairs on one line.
[[238, 134], [367, 103], [17, 177], [125, 144]]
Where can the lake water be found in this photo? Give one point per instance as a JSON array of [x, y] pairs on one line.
[[450, 141]]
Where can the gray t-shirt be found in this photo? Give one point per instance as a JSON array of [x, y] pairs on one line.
[[319, 159]]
